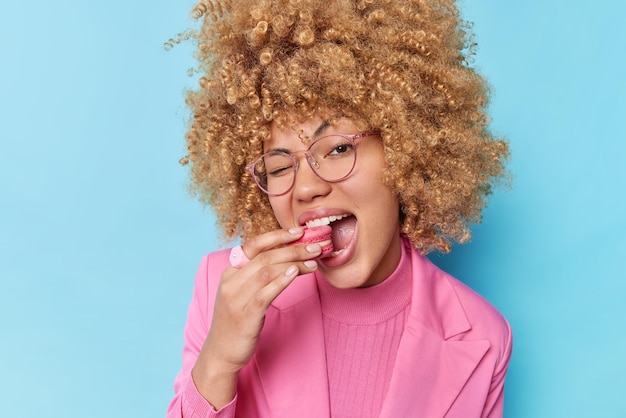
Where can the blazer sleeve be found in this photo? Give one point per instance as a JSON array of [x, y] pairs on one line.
[[494, 404], [187, 401]]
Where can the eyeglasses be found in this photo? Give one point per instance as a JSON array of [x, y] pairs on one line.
[[332, 158]]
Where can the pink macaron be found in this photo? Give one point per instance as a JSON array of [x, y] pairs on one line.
[[321, 235]]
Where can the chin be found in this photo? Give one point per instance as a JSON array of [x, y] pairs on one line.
[[343, 278]]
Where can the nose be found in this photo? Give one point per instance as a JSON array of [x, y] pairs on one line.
[[307, 185]]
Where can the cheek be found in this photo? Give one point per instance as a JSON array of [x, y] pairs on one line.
[[378, 198], [282, 210], [369, 186]]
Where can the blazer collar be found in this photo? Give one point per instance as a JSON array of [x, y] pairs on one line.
[[440, 365], [435, 304]]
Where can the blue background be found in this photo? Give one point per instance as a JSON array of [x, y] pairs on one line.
[[99, 239]]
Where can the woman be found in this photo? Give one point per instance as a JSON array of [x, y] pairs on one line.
[[362, 115]]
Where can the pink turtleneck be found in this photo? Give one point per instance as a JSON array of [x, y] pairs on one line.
[[362, 330]]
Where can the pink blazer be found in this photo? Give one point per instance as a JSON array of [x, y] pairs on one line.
[[451, 362]]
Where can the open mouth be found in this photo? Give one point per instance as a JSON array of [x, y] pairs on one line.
[[343, 226]]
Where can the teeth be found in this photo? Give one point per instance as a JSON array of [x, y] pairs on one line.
[[325, 221]]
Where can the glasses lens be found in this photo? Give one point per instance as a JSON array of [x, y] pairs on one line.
[[275, 172], [333, 157]]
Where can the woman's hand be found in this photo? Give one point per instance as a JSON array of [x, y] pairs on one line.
[[241, 302]]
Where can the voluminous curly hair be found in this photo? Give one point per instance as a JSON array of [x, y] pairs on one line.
[[397, 67]]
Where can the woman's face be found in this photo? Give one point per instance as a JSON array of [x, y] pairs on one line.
[[367, 241]]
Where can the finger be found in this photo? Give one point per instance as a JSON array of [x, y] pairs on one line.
[[266, 294], [269, 240], [242, 284], [287, 254]]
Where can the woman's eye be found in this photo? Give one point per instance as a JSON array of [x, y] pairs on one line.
[[340, 149], [279, 171]]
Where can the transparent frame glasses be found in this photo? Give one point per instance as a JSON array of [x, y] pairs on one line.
[[331, 157]]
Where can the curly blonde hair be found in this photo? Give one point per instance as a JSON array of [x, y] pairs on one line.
[[397, 67]]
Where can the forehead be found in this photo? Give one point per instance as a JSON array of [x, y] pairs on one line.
[[297, 135]]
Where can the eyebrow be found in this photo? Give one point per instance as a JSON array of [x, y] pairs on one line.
[[321, 129], [318, 132]]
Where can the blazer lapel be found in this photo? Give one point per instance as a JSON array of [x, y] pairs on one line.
[[429, 374], [431, 366], [291, 356]]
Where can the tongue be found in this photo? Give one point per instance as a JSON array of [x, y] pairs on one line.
[[343, 230]]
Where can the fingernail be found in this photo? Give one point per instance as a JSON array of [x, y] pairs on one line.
[[295, 231], [291, 271], [313, 248], [311, 264]]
